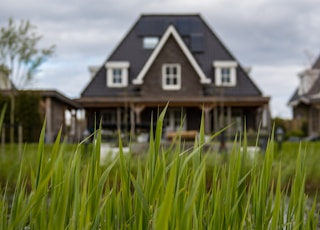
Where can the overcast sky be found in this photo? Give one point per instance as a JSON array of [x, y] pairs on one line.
[[276, 38]]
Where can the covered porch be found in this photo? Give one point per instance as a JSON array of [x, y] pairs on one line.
[[134, 115]]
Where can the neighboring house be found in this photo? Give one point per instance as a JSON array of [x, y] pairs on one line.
[[175, 59], [305, 101], [53, 106]]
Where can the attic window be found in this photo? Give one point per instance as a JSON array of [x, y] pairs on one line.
[[225, 73], [150, 42], [117, 74]]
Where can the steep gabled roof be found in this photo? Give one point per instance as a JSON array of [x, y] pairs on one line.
[[193, 34], [313, 93], [171, 31], [316, 64]]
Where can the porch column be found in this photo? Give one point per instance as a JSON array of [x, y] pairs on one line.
[[49, 120], [137, 110], [132, 123], [222, 118], [207, 122], [229, 121], [74, 127], [266, 121], [118, 119], [215, 119]]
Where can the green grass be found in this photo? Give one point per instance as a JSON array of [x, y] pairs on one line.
[[12, 163], [170, 188]]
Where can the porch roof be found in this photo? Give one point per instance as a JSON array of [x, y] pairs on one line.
[[97, 102]]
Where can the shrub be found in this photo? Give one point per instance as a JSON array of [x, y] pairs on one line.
[[27, 114]]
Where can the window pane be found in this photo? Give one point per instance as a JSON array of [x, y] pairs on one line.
[[168, 81], [225, 75], [117, 76], [174, 70], [168, 70], [225, 71], [150, 42], [175, 81]]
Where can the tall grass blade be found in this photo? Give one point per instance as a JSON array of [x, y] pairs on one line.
[[167, 188], [3, 112]]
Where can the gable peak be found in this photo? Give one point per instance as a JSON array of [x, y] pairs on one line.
[[171, 31]]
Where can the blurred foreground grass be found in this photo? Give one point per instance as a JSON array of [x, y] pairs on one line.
[[11, 161], [64, 187]]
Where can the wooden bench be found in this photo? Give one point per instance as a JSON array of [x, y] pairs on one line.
[[186, 135]]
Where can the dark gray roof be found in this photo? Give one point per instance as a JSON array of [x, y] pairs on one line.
[[72, 104], [295, 96], [315, 89], [316, 64], [205, 46]]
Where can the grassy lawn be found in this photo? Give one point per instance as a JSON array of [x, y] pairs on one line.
[[63, 186], [287, 158], [12, 162]]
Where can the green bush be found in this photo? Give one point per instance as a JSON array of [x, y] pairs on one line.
[[27, 114], [295, 133]]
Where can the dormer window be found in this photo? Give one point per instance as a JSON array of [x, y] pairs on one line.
[[225, 73], [117, 74], [171, 76], [150, 42]]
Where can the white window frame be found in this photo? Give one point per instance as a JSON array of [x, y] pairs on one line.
[[165, 86], [120, 65], [219, 66]]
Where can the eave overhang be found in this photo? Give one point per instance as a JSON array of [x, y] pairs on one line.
[[99, 102]]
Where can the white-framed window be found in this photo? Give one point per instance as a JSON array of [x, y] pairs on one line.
[[117, 74], [150, 42], [225, 73], [171, 76]]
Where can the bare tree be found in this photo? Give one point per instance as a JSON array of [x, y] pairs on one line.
[[20, 57], [310, 57]]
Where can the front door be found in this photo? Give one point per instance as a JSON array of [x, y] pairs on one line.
[[175, 120]]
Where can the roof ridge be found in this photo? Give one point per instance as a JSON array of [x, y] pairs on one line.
[[169, 14]]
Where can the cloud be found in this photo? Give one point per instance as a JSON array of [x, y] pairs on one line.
[[279, 82]]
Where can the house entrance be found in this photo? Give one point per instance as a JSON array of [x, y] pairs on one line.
[[175, 120]]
